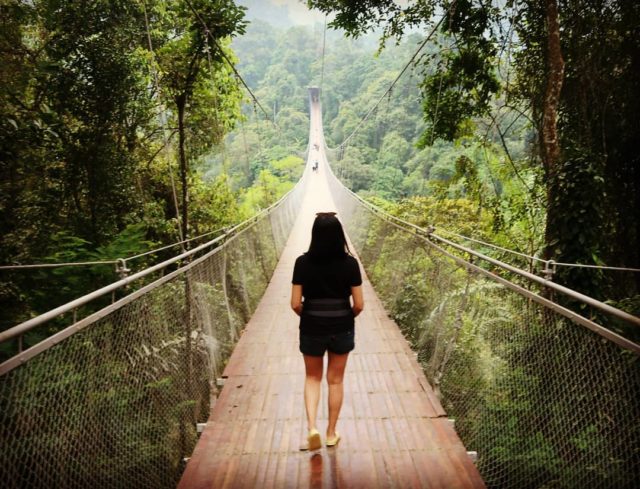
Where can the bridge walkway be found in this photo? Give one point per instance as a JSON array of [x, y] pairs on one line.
[[394, 431]]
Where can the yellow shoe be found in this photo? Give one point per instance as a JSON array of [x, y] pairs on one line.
[[332, 442], [313, 441]]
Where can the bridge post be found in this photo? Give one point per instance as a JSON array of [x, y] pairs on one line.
[[223, 279]]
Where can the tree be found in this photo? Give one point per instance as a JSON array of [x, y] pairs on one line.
[[77, 102], [195, 81], [593, 191]]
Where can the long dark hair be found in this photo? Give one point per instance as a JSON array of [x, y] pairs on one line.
[[327, 238]]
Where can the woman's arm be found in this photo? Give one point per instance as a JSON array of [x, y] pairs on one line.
[[296, 299], [358, 300]]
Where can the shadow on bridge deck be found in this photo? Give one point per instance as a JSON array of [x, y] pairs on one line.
[[394, 430]]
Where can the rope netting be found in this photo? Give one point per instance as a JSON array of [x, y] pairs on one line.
[[544, 401], [116, 403]]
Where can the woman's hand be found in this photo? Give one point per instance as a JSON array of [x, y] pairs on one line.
[[358, 300], [296, 299]]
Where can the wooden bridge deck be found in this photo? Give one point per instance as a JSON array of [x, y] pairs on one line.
[[394, 430]]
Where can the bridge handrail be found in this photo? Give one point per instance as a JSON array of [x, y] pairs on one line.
[[28, 325], [427, 234], [574, 316]]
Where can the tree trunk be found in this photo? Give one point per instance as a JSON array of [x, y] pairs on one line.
[[184, 167], [555, 75], [187, 418], [550, 144]]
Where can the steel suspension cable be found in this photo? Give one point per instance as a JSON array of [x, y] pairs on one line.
[[163, 122], [117, 260], [324, 42], [535, 258], [177, 243], [491, 245], [406, 66], [600, 267], [56, 265], [216, 105], [229, 62]]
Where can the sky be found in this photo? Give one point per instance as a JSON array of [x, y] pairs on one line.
[[299, 13], [282, 12]]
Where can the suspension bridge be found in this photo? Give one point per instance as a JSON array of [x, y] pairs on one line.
[[194, 378]]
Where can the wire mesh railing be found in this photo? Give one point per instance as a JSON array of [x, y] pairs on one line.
[[114, 400], [546, 398]]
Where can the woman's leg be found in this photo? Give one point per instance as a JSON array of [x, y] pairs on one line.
[[313, 367], [335, 375]]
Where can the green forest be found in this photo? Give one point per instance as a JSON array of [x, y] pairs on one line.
[[130, 126], [127, 129], [114, 117]]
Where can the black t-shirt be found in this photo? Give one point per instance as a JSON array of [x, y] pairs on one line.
[[326, 279]]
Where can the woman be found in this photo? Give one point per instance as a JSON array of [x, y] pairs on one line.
[[326, 276]]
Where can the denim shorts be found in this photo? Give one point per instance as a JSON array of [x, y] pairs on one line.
[[316, 345]]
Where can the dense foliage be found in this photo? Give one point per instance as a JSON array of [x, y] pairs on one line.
[[110, 113], [570, 68]]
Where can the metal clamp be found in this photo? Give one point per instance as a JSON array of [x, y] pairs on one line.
[[424, 233], [549, 269], [121, 268]]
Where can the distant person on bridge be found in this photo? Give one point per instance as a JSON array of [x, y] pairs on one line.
[[326, 276]]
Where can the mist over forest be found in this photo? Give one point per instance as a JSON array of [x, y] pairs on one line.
[[384, 161]]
